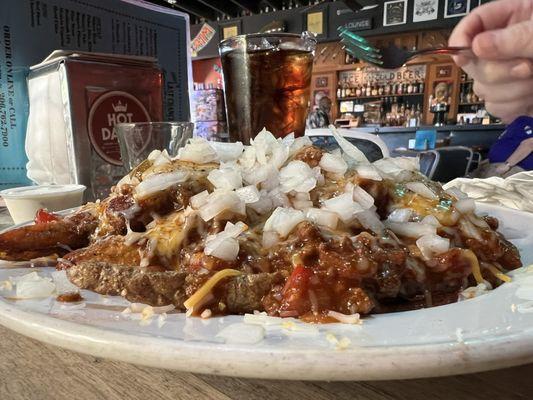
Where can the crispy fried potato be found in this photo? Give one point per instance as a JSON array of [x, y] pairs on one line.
[[156, 288], [112, 250], [40, 240]]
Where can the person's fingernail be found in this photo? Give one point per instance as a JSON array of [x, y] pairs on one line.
[[485, 43], [521, 70]]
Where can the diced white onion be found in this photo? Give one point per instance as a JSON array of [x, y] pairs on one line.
[[159, 182], [247, 159], [225, 248], [299, 143], [421, 189], [225, 178], [284, 220], [320, 180], [270, 239], [264, 204], [234, 230], [218, 202], [161, 159], [33, 286], [297, 176], [431, 220], [279, 199], [344, 206], [465, 206], [362, 197], [431, 245], [199, 151], [351, 150], [280, 154], [228, 151], [320, 217], [272, 178], [333, 164], [241, 333], [302, 204], [62, 283], [248, 194], [469, 229], [198, 200], [368, 172], [224, 245], [370, 220], [257, 174], [411, 229], [400, 215], [302, 196], [407, 163]]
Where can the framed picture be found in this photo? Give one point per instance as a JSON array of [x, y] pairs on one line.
[[321, 81], [315, 22], [230, 31], [425, 10], [444, 71], [395, 12], [456, 8]]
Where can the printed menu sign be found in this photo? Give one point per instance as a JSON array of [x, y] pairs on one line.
[[381, 77]]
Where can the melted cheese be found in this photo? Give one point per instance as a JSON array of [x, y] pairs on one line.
[[169, 234], [498, 274], [474, 263], [208, 286]]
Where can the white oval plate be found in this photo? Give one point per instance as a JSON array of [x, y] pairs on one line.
[[491, 331]]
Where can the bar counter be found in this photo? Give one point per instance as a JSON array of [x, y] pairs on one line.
[[478, 137]]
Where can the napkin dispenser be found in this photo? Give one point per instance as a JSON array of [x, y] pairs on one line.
[[76, 98]]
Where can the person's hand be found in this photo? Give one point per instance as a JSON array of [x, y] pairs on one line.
[[501, 36], [503, 169]]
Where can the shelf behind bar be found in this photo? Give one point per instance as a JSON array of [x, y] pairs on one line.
[[379, 97], [472, 104]]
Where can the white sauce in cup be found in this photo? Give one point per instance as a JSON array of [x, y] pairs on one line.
[[23, 202]]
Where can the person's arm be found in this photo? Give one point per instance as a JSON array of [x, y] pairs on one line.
[[521, 152]]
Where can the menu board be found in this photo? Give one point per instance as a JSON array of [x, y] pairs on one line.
[[409, 73], [31, 29]]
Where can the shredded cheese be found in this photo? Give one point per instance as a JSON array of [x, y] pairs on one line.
[[474, 263], [208, 286], [498, 274]]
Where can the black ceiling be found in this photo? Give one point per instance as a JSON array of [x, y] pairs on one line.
[[224, 9]]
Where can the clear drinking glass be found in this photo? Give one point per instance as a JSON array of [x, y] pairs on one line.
[[137, 140], [267, 81]]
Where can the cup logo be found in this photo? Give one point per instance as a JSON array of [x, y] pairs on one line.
[[109, 109]]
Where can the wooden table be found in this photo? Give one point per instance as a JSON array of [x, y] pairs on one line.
[[35, 371]]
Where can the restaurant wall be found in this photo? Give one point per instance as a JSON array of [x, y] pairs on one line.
[[335, 14]]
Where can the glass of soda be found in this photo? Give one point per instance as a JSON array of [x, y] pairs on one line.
[[267, 81]]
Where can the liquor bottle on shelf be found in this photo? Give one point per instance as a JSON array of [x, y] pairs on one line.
[[374, 91], [368, 90], [386, 89], [399, 91], [421, 87], [415, 87], [339, 90], [381, 90], [358, 91], [410, 88]]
